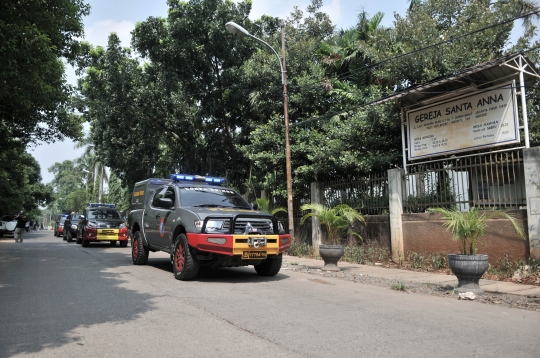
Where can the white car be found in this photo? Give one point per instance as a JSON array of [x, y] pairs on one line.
[[7, 225]]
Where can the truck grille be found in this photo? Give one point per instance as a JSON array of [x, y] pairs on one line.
[[262, 226]]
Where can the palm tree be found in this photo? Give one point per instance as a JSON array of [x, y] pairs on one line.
[[89, 164], [264, 205], [337, 220], [468, 227]]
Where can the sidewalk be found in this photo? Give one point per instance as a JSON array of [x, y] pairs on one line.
[[419, 277]]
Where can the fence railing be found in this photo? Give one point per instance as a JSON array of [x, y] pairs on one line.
[[369, 195], [486, 181]]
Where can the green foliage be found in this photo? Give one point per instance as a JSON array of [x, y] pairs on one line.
[[20, 182], [300, 249], [208, 102], [34, 97], [366, 254], [67, 181], [264, 205], [416, 260], [468, 227], [336, 220], [398, 286], [437, 261], [76, 201], [119, 195]]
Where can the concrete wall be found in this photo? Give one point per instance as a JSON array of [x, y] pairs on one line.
[[425, 233], [376, 231]]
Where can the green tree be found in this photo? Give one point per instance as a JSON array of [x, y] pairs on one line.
[[20, 183], [118, 194], [66, 181], [76, 201], [34, 96]]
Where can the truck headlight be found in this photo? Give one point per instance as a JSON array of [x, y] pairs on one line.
[[211, 225]]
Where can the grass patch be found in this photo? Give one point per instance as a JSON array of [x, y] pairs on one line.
[[300, 249], [399, 286]]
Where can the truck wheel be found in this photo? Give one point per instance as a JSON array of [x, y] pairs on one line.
[[69, 237], [139, 253], [270, 266], [85, 243], [185, 264], [123, 243]]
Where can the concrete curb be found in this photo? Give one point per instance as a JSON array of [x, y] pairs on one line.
[[422, 277]]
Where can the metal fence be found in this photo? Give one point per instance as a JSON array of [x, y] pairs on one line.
[[368, 195], [487, 181]]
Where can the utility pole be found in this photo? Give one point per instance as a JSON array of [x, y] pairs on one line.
[[287, 139]]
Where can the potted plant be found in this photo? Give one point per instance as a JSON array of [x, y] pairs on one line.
[[337, 221], [467, 228]]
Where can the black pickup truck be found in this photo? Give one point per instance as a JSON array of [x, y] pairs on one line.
[[199, 222]]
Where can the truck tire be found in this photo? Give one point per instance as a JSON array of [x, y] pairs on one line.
[[270, 266], [69, 237], [185, 264], [123, 243], [85, 243], [139, 253]]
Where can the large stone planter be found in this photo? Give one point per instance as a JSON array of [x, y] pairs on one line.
[[468, 269], [331, 255]]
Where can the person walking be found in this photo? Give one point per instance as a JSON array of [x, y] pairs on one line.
[[20, 228]]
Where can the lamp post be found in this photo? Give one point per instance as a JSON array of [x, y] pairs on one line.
[[240, 31]]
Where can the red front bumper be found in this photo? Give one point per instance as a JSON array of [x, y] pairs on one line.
[[231, 245]]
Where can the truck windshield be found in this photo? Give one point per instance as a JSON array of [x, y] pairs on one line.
[[212, 197], [103, 213]]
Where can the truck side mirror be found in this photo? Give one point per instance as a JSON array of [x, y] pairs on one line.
[[255, 206], [165, 203]]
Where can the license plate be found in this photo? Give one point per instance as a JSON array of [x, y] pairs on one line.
[[107, 232], [254, 255]]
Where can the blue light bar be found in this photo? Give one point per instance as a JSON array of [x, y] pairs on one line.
[[214, 180], [186, 177], [158, 181], [93, 205], [179, 177]]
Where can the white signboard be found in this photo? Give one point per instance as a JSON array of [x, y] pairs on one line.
[[485, 119]]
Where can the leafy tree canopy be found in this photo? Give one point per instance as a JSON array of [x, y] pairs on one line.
[[34, 96]]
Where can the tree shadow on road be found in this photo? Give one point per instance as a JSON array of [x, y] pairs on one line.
[[50, 293]]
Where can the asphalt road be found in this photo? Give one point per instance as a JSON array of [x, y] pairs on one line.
[[58, 299]]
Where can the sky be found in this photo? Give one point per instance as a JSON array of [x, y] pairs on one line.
[[120, 16]]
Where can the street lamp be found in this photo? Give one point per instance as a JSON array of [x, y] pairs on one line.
[[236, 29]]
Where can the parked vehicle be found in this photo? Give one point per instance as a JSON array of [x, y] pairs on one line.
[[199, 222], [7, 225], [59, 227], [71, 224], [102, 222]]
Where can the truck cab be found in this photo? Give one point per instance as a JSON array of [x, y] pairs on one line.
[[199, 222]]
